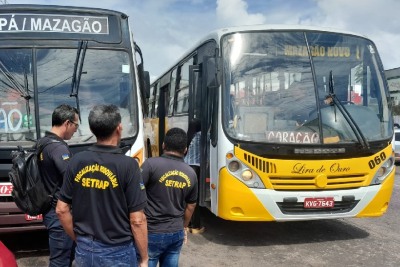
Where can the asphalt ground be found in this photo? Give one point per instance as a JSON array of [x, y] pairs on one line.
[[367, 242]]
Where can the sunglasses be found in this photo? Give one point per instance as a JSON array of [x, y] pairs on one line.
[[74, 123]]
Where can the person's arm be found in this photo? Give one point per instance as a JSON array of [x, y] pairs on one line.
[[63, 208], [139, 231], [188, 214], [191, 199], [64, 215]]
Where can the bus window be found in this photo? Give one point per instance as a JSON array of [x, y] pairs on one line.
[[150, 103], [183, 88], [171, 96], [99, 84], [156, 98], [17, 110]]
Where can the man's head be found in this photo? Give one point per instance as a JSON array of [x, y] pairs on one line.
[[104, 120], [175, 140], [65, 121]]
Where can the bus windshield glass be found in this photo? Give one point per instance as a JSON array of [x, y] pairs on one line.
[[303, 88], [46, 75]]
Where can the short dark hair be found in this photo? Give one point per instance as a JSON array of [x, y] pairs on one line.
[[103, 120], [175, 140], [63, 113]]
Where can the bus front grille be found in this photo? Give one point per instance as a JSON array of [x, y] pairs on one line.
[[269, 173], [310, 182], [260, 163]]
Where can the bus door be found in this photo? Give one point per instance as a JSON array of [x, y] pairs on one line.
[[197, 99], [203, 97], [162, 113]]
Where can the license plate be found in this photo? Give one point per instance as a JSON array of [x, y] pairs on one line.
[[5, 189], [33, 218], [319, 202]]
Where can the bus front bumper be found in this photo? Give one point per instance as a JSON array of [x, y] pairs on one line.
[[237, 202]]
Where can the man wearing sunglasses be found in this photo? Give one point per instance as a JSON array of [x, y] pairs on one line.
[[52, 165]]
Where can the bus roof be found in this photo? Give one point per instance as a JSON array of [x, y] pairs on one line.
[[218, 33], [52, 22]]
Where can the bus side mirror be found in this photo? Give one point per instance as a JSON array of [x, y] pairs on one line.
[[144, 81]]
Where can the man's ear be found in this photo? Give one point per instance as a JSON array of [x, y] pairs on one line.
[[119, 129]]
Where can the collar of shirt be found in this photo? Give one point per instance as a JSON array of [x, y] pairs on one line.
[[105, 149], [53, 136], [174, 157]]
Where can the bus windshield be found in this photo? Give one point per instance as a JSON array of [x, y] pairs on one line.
[[46, 74], [303, 87]]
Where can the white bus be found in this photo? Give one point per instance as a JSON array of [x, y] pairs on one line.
[[299, 121]]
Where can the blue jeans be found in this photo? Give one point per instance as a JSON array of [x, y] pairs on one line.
[[165, 248], [92, 253], [60, 244]]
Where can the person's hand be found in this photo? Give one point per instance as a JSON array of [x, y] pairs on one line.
[[144, 263], [185, 238]]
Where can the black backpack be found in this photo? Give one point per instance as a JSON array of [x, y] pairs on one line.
[[29, 193]]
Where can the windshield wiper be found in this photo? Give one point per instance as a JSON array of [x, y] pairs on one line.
[[76, 76], [353, 125], [314, 75], [27, 97]]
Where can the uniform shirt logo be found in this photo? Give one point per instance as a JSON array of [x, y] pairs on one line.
[[65, 156], [86, 177], [169, 179]]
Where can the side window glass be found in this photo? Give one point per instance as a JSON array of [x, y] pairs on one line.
[[157, 96], [183, 88], [182, 105], [172, 92], [150, 104]]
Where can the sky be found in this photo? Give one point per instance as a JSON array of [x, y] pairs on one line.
[[165, 29]]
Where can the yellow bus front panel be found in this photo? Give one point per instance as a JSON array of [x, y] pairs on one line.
[[291, 184], [237, 202]]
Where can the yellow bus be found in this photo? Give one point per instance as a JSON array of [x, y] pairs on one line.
[[50, 55], [296, 122]]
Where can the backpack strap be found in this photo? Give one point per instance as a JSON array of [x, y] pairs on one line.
[[39, 146], [39, 149]]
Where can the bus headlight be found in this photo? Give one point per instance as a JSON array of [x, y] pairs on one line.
[[383, 172], [233, 166], [242, 172], [247, 175]]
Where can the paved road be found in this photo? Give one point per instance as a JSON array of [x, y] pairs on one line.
[[344, 242]]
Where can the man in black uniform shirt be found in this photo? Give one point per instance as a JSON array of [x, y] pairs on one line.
[[107, 194], [171, 187], [53, 163]]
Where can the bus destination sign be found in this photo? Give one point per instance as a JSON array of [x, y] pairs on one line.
[[53, 23]]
